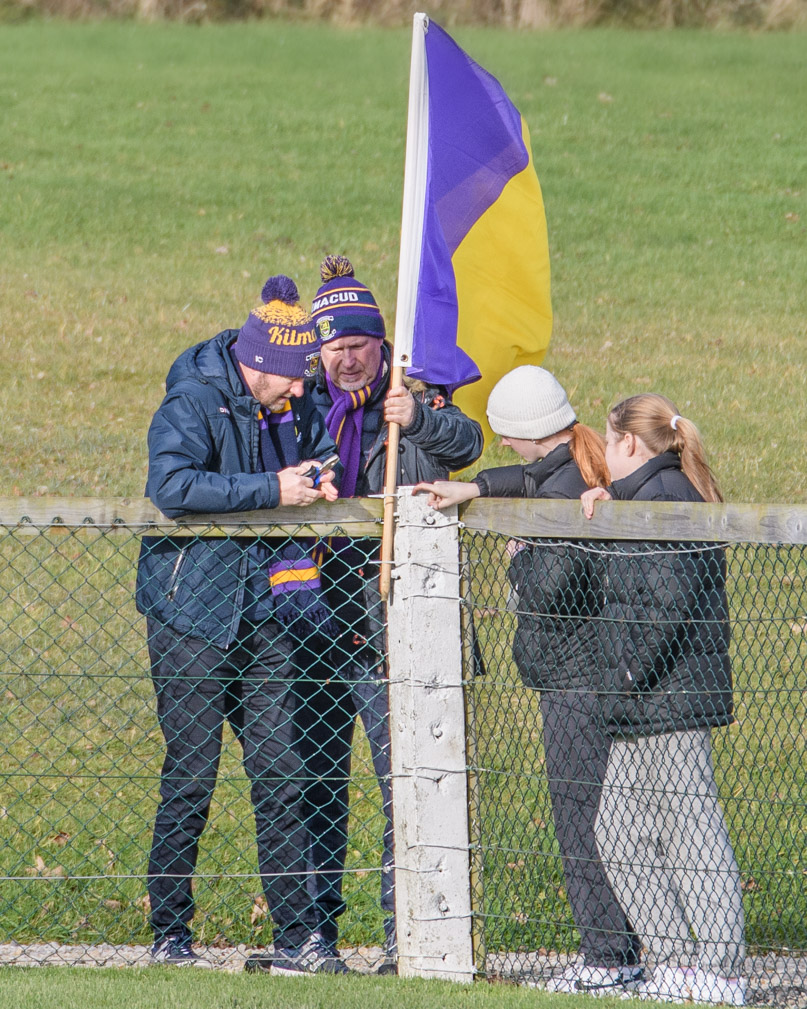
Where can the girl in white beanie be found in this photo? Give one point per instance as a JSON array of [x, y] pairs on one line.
[[556, 653]]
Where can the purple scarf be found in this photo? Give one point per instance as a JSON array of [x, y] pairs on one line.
[[344, 423]]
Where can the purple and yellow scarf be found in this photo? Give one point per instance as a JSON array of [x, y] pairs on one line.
[[344, 422]]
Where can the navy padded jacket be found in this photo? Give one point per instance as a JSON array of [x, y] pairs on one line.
[[204, 457]]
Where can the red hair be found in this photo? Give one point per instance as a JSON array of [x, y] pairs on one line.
[[588, 451]]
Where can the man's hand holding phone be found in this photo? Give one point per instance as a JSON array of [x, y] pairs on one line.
[[322, 476]]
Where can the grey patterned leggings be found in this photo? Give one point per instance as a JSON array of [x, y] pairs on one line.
[[667, 853]]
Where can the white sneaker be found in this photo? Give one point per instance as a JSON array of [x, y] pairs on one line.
[[315, 956], [707, 987], [610, 981], [669, 984]]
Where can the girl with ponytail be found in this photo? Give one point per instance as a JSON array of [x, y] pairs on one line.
[[665, 682], [655, 421], [555, 649]]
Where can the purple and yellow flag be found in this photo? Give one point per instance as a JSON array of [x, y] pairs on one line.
[[482, 303]]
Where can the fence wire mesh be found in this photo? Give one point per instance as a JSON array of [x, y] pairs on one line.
[[575, 656], [605, 829], [85, 871]]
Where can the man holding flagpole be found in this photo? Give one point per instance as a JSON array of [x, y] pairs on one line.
[[353, 392], [473, 303]]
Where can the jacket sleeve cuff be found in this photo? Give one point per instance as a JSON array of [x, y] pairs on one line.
[[418, 420], [481, 482], [274, 490]]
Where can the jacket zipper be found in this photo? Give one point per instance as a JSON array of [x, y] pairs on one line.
[[173, 584]]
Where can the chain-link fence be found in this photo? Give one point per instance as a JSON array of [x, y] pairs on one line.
[[605, 828], [110, 719], [568, 670]]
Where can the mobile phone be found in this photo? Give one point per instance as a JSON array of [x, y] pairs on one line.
[[315, 472]]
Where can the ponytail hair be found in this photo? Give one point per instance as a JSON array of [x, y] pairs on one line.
[[655, 419], [588, 451]]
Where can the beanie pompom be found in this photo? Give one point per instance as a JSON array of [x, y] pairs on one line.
[[279, 336], [335, 266], [343, 306], [280, 288]]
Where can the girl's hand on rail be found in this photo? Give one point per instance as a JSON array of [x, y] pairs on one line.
[[590, 496], [443, 493]]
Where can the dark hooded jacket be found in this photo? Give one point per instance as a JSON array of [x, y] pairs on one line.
[[440, 439], [204, 456], [664, 634], [554, 582]]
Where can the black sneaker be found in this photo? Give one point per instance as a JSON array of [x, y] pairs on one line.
[[389, 965], [174, 951], [315, 956], [258, 963]]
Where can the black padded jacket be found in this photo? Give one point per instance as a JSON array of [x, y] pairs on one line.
[[553, 581], [440, 439], [664, 636]]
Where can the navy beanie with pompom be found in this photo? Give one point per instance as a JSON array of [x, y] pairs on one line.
[[279, 336], [343, 305]]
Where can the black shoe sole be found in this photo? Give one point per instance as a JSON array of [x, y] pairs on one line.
[[258, 964]]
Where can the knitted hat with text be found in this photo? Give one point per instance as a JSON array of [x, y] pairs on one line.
[[279, 336], [343, 305], [529, 402]]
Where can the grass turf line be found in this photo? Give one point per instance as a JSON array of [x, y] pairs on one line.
[[164, 988]]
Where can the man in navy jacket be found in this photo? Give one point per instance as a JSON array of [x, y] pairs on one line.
[[233, 622]]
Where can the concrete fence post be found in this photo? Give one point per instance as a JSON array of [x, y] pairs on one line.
[[429, 763]]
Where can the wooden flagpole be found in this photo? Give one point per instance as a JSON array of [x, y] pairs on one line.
[[390, 487]]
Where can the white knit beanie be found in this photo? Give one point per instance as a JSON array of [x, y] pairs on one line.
[[529, 402]]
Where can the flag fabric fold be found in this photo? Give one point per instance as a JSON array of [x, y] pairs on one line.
[[483, 295]]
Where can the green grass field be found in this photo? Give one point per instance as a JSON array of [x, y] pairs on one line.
[[153, 176]]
